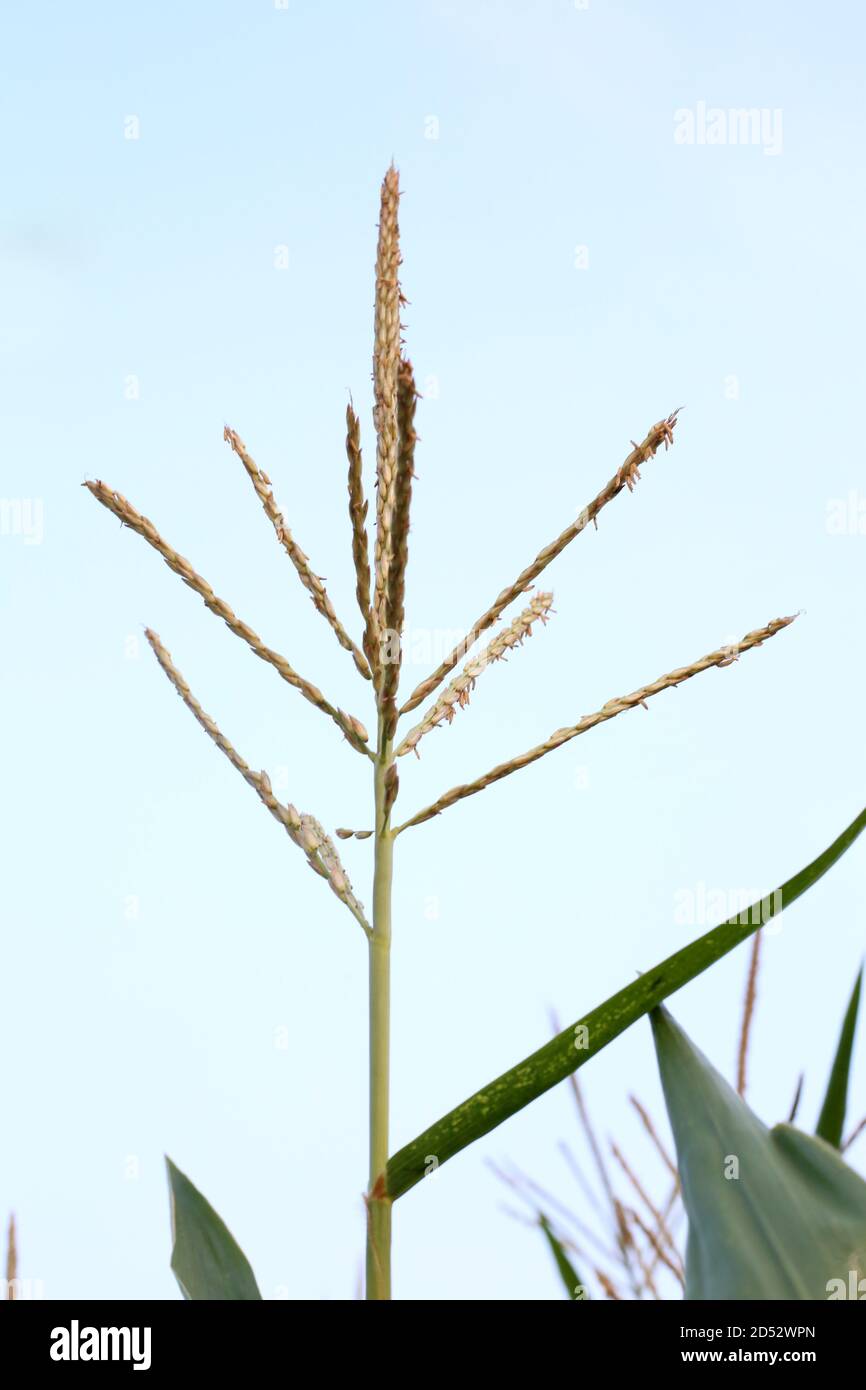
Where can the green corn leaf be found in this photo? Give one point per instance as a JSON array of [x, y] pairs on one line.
[[773, 1213], [832, 1118], [574, 1285], [574, 1047], [206, 1260]]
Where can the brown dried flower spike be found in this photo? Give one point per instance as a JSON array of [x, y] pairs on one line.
[[456, 695]]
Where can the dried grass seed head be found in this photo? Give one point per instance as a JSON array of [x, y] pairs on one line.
[[608, 711], [625, 476], [311, 581], [116, 503], [386, 366], [456, 695], [360, 544], [304, 830]]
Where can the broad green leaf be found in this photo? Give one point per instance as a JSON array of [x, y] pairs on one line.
[[773, 1213], [574, 1047], [574, 1286], [205, 1258], [832, 1118]]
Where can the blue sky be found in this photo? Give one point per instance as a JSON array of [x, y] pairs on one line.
[[175, 980]]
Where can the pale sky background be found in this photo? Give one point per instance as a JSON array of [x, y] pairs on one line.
[[160, 929]]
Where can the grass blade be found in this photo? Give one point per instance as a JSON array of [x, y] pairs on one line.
[[832, 1118], [773, 1213], [570, 1049], [207, 1262], [574, 1286]]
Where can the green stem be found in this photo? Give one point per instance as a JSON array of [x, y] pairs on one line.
[[378, 1204]]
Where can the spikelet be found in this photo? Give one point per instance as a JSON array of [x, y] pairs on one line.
[[386, 366], [661, 1255], [625, 477], [396, 588], [856, 1131], [115, 502], [608, 1287], [360, 550], [311, 581], [321, 849], [662, 1231], [723, 657], [303, 830], [646, 1121], [456, 695], [748, 1013], [11, 1263], [392, 787]]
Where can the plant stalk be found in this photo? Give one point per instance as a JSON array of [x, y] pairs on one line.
[[378, 1204]]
